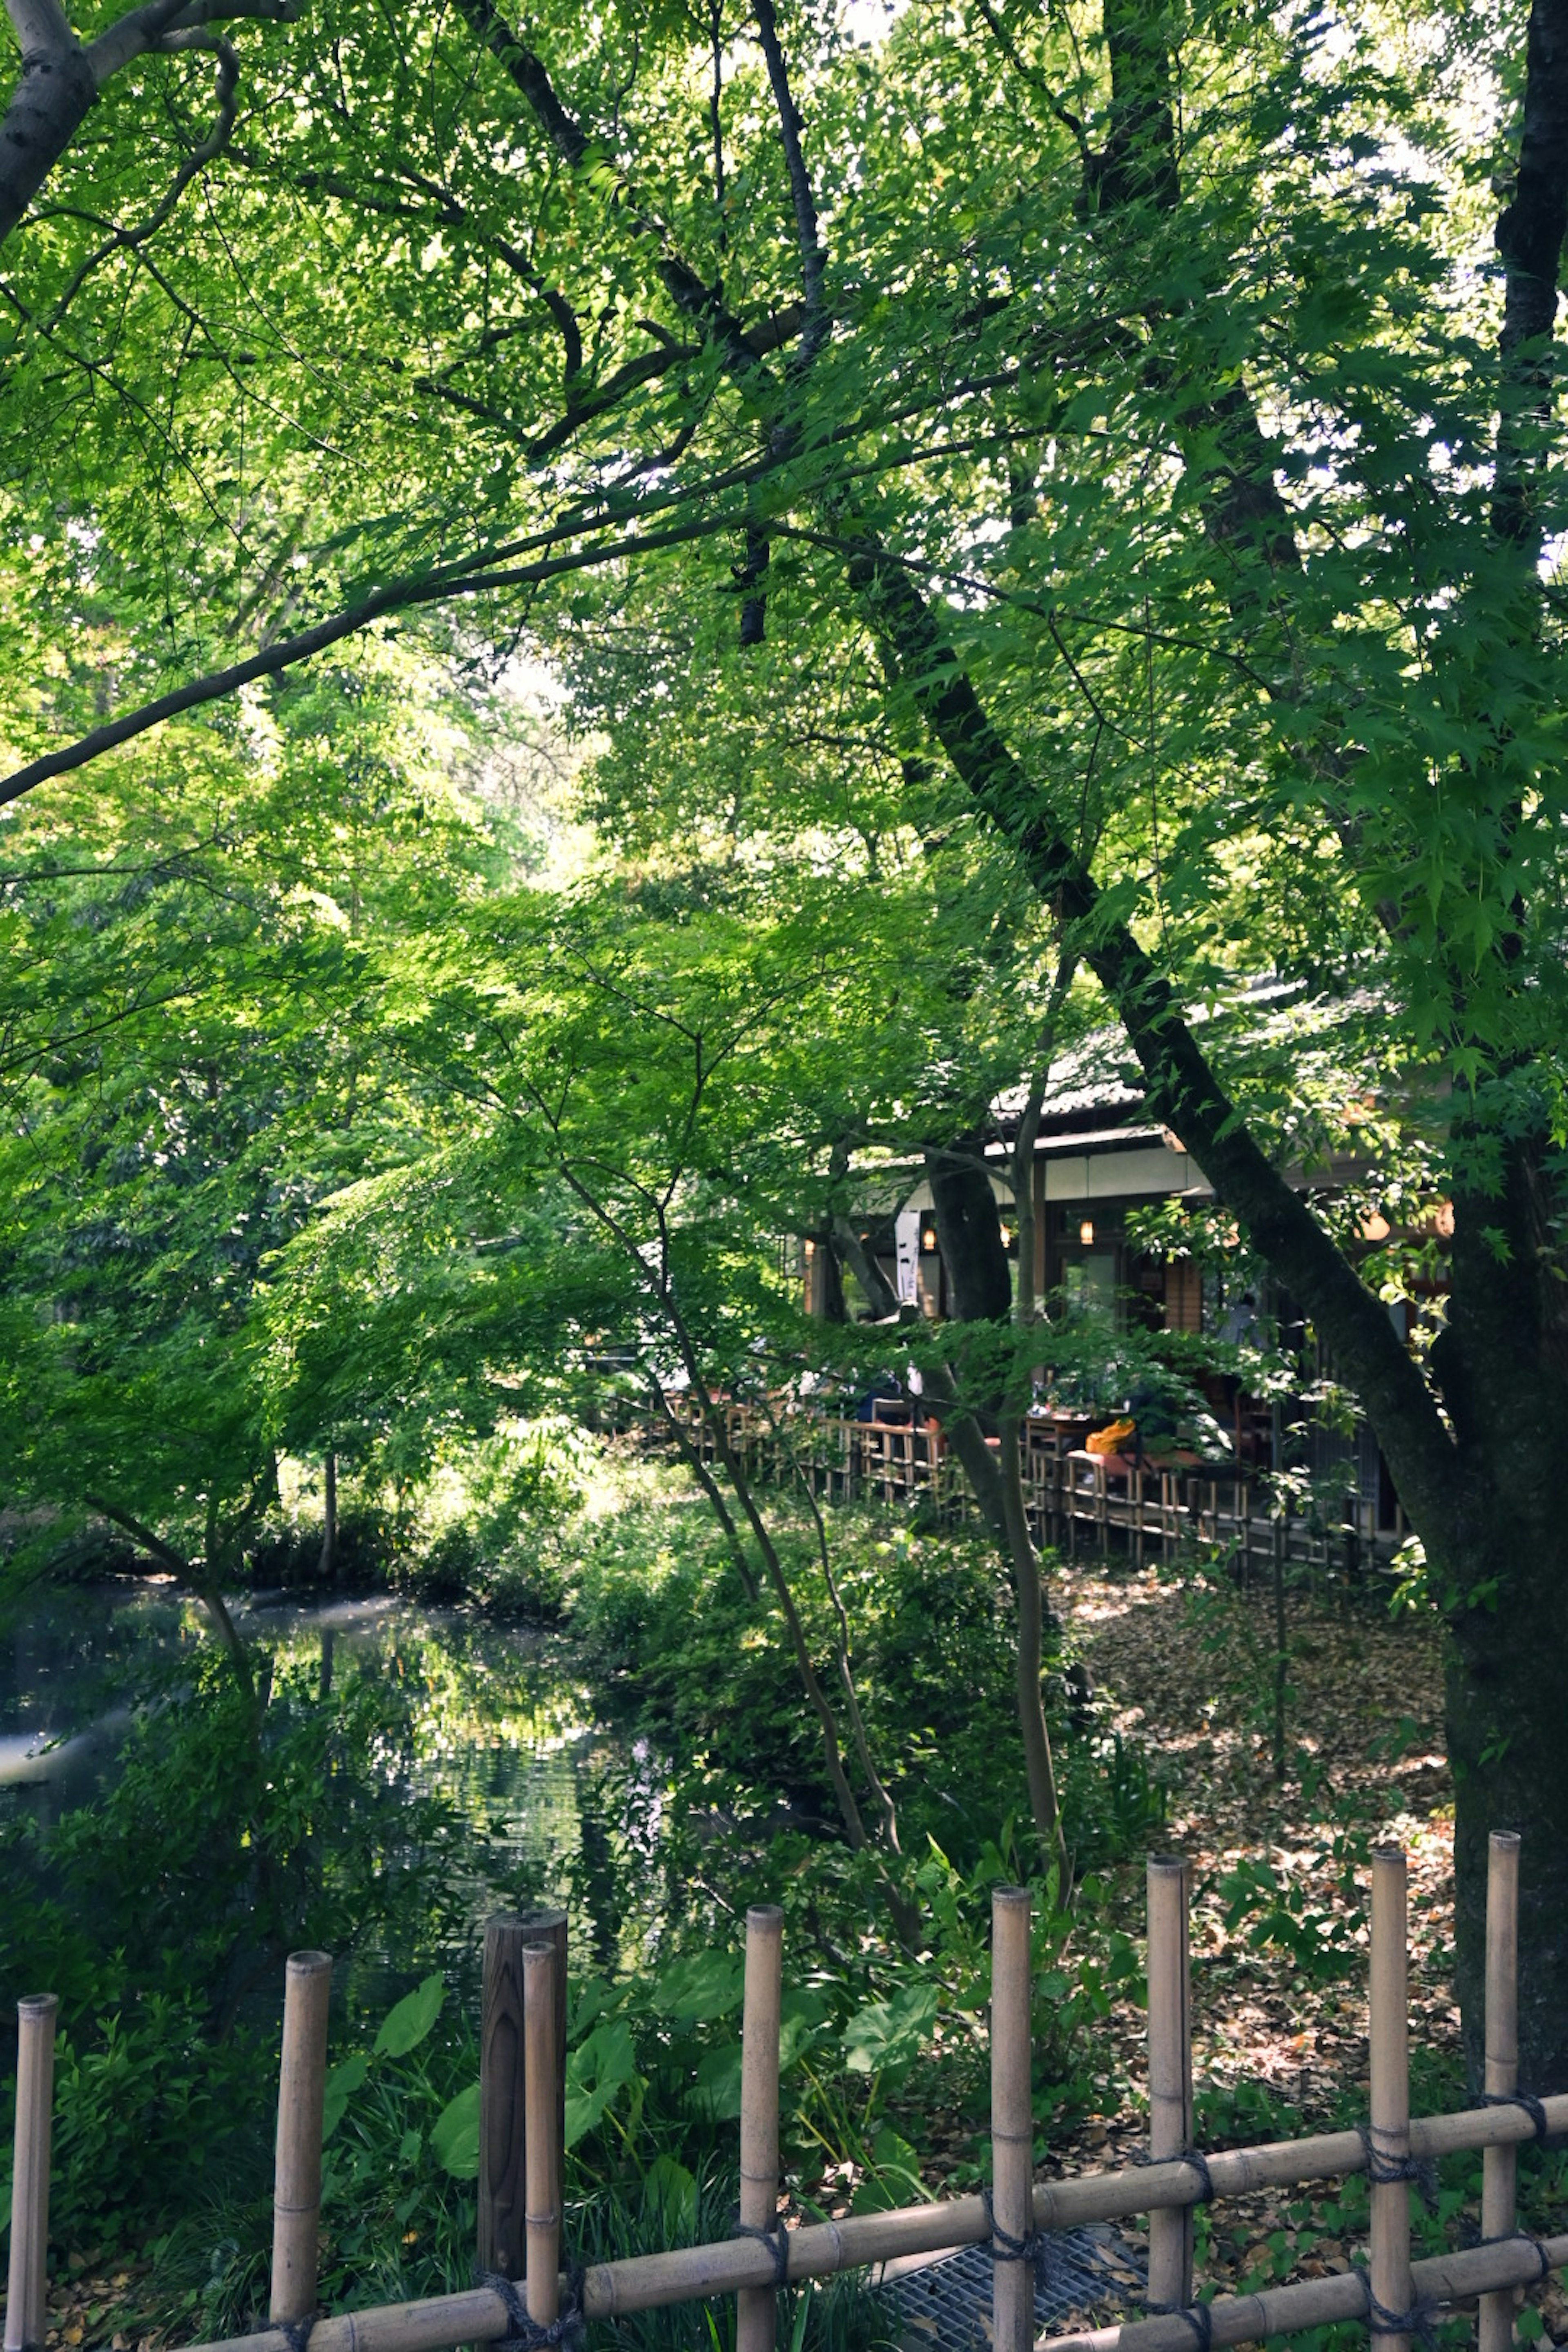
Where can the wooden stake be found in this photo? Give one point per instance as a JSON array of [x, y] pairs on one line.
[[296, 2177], [502, 2236], [1499, 2164], [757, 2313], [26, 2297], [1390, 2112], [1012, 2119], [542, 2068], [1170, 2073]]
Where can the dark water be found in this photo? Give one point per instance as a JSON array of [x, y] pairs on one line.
[[502, 1731]]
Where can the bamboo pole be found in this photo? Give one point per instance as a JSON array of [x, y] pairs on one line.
[[26, 2297], [1170, 2073], [502, 2199], [542, 2064], [756, 2314], [1499, 2164], [296, 2177], [1317, 2303], [1012, 2121], [648, 2281], [1390, 2106], [479, 2316]]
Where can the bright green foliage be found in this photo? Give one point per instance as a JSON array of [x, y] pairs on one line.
[[189, 1065]]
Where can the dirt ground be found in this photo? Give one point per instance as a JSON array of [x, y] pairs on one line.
[[1189, 1672], [1190, 1675]]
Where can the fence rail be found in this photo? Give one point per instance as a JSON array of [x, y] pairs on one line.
[[1015, 2217], [1076, 1500]]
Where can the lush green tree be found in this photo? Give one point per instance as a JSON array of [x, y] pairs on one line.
[[612, 1154], [190, 1064]]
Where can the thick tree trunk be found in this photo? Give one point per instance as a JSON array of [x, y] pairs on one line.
[[1498, 1564], [47, 109], [1507, 1733], [969, 1231]]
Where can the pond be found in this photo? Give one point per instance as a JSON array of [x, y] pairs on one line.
[[502, 1730]]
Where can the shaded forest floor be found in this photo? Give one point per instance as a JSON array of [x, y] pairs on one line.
[[1280, 2043], [1188, 1672]]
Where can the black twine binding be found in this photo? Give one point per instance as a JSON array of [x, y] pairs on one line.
[[1418, 2321], [529, 2335], [1532, 2108], [1524, 2238], [1196, 2317], [297, 2331], [1383, 2169], [774, 2235], [1004, 2247], [1198, 2162]]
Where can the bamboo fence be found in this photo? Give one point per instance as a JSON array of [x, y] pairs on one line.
[[1394, 2297]]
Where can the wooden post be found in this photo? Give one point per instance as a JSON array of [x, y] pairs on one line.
[[25, 2300], [297, 2178], [756, 2307], [1499, 2164], [1390, 2053], [1170, 2073], [1012, 2119], [543, 2069], [502, 2238]]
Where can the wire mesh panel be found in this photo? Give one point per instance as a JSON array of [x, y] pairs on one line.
[[946, 2305]]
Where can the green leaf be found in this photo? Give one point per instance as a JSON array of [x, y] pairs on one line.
[[404, 2028], [707, 1985], [596, 2071], [669, 2198], [716, 2085], [895, 2179], [455, 2135], [890, 2033], [342, 2082]]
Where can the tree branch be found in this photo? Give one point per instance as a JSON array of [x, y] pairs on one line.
[[808, 233], [60, 80], [216, 140], [400, 595]]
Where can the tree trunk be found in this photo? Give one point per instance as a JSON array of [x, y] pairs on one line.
[[969, 1232], [969, 1227], [827, 1275], [1043, 1802], [881, 1296], [1497, 1564], [327, 1566], [47, 109]]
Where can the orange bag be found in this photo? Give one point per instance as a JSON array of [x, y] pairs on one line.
[[1111, 1440]]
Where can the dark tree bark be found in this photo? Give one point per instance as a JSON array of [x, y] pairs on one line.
[[980, 1291], [48, 108], [327, 1566], [881, 1296], [969, 1232]]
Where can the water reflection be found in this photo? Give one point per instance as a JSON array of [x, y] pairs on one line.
[[501, 1731]]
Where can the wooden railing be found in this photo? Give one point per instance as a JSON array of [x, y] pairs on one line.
[[1015, 2217], [1077, 1501]]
